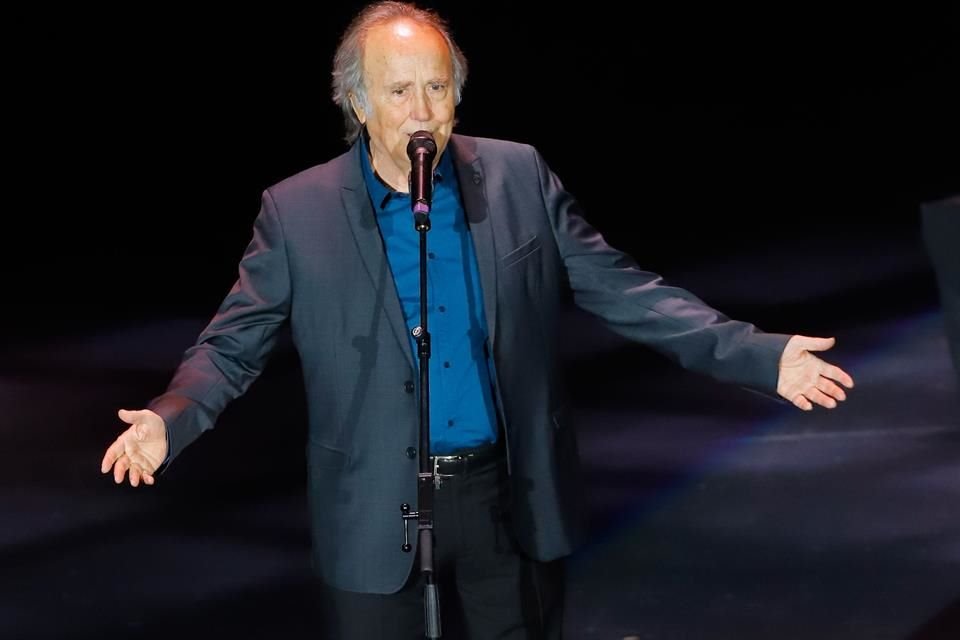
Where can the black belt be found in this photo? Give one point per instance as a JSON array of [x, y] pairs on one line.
[[460, 463]]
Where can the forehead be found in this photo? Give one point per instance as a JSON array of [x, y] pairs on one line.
[[402, 47]]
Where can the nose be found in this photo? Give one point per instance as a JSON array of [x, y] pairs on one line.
[[420, 109]]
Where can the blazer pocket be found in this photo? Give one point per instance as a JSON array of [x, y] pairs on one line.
[[326, 457], [525, 250]]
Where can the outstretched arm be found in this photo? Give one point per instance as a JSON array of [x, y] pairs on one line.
[[806, 380], [228, 356], [642, 307]]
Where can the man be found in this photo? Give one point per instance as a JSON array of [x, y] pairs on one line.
[[334, 254]]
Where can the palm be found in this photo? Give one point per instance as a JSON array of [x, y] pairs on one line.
[[141, 449], [805, 379], [797, 372], [152, 449]]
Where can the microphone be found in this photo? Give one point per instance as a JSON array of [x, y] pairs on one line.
[[422, 150]]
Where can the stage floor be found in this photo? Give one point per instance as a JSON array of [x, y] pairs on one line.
[[716, 513]]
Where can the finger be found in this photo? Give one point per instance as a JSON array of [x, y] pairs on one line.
[[141, 462], [148, 479], [830, 388], [114, 451], [819, 397], [817, 344], [802, 403], [120, 468], [134, 475], [130, 417], [836, 373]]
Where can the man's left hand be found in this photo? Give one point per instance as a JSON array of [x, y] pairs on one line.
[[806, 380]]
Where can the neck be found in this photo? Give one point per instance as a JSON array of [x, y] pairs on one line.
[[389, 173]]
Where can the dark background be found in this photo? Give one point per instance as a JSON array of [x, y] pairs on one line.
[[772, 160], [141, 141]]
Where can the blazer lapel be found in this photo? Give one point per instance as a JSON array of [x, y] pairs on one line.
[[471, 178], [366, 233]]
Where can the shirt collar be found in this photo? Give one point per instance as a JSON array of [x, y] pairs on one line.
[[380, 191]]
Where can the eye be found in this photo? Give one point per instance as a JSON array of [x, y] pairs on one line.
[[399, 91], [438, 87]]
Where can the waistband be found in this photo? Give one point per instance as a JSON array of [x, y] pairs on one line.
[[464, 461]]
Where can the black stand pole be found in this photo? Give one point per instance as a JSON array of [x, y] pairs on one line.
[[422, 150]]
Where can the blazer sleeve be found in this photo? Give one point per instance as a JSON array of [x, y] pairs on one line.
[[640, 306], [233, 349]]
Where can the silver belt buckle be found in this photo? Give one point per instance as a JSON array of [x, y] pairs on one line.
[[437, 476]]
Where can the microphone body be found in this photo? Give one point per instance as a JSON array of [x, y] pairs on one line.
[[422, 151]]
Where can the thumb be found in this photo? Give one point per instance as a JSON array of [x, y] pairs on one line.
[[815, 344], [130, 417]]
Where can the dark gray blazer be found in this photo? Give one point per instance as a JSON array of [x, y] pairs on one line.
[[317, 260]]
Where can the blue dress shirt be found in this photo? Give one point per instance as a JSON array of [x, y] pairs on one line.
[[462, 413]]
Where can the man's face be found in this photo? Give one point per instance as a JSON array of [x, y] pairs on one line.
[[409, 82]]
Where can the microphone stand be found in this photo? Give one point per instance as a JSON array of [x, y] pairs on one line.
[[427, 479]]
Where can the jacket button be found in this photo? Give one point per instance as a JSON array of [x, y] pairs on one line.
[[408, 386], [411, 453], [476, 178]]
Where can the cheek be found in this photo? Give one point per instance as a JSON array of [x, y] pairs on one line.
[[444, 111], [387, 119]]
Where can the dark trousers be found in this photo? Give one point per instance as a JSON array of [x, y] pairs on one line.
[[488, 588]]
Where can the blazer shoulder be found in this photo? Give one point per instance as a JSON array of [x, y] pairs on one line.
[[327, 177], [514, 160], [495, 147]]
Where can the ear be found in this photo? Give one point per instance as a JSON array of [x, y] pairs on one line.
[[357, 109]]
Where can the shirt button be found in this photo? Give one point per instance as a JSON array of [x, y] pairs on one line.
[[449, 423], [442, 308], [446, 365], [432, 255], [411, 453], [408, 386]]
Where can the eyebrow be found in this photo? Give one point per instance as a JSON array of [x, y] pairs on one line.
[[407, 83]]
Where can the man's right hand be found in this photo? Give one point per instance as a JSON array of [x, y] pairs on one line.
[[141, 449]]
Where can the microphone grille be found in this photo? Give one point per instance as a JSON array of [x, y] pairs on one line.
[[422, 140]]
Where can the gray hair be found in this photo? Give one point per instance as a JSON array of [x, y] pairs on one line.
[[348, 61]]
